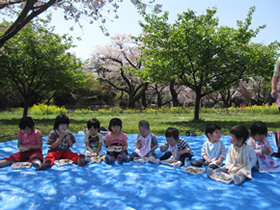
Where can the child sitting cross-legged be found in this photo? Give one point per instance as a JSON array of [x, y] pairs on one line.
[[60, 140], [263, 148], [146, 142], [213, 150], [241, 158], [179, 149]]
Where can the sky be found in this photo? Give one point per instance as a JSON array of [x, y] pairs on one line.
[[228, 12]]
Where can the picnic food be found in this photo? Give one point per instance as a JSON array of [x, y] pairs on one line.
[[168, 162], [118, 149], [193, 170], [63, 162], [21, 165], [222, 177], [141, 159], [95, 160]]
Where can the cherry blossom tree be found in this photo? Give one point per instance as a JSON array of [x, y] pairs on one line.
[[116, 62], [92, 10]]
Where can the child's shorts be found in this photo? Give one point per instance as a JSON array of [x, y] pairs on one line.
[[25, 156]]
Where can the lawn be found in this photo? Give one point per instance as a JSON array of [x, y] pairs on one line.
[[159, 121]]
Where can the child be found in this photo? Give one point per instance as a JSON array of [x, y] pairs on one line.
[[29, 144], [146, 143], [263, 148], [93, 139], [179, 148], [241, 158], [60, 140], [116, 138], [213, 151]]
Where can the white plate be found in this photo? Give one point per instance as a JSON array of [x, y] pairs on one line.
[[95, 160], [193, 170], [222, 177], [141, 159], [63, 162], [21, 165], [168, 162]]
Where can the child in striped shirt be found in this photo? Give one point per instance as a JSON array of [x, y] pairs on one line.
[[179, 149]]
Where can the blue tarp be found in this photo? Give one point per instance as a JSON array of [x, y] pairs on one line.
[[130, 185]]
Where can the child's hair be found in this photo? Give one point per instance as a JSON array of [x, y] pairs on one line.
[[115, 121], [144, 123], [240, 132], [93, 122], [210, 128], [61, 119], [258, 127], [26, 122], [172, 132]]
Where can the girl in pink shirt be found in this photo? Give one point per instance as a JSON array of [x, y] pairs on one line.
[[116, 143], [29, 144]]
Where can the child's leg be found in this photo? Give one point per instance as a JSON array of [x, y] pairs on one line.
[[198, 163], [166, 156], [122, 157], [36, 157], [132, 156], [71, 156], [239, 179], [5, 162], [52, 156]]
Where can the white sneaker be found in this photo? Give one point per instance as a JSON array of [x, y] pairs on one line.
[[177, 164], [153, 160]]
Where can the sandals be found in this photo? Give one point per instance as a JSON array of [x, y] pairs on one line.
[[46, 164], [82, 160]]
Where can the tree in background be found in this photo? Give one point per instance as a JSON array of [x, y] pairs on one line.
[[35, 63], [116, 62], [92, 10], [201, 54]]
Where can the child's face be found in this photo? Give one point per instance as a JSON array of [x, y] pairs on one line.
[[93, 131], [62, 127], [235, 141], [143, 131], [116, 129], [259, 137], [171, 141], [215, 136], [27, 130]]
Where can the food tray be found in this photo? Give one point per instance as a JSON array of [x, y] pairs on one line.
[[118, 148], [21, 165], [141, 159], [110, 149], [168, 162], [95, 160], [222, 177], [63, 162], [193, 170]]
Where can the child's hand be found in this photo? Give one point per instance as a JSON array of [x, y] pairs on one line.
[[162, 149], [219, 162], [138, 143], [23, 149], [94, 154], [67, 137], [266, 150]]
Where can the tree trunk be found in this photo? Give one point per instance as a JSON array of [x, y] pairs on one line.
[[173, 94], [197, 105], [26, 104]]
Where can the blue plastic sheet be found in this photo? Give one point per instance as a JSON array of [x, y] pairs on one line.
[[130, 185]]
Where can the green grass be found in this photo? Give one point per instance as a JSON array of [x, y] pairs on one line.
[[159, 122]]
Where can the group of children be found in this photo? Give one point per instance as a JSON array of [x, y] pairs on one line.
[[241, 157]]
